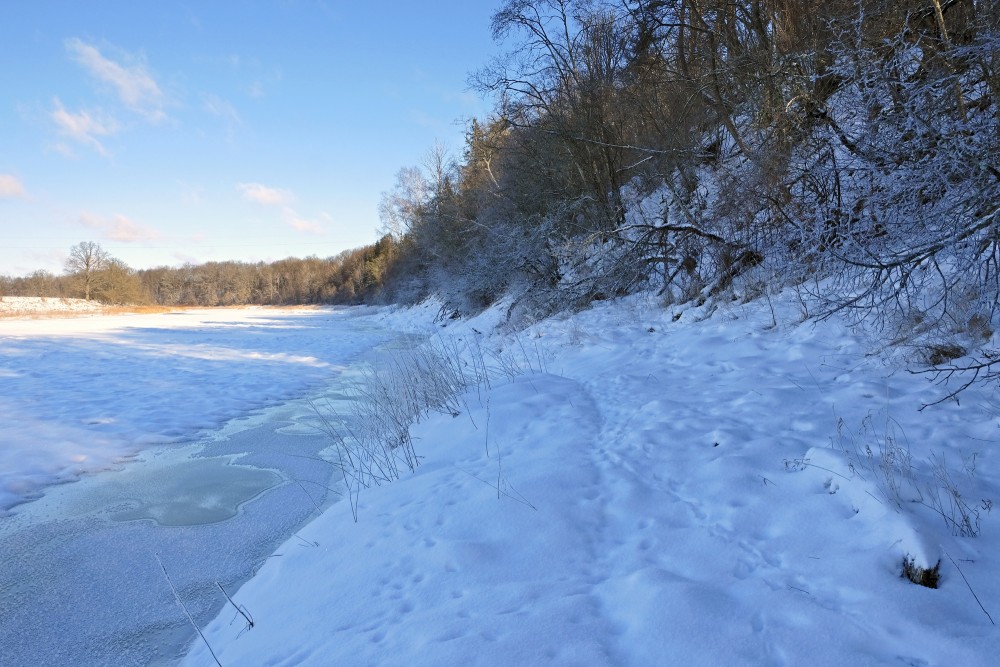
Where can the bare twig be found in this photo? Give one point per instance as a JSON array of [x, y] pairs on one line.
[[970, 587], [245, 614], [186, 612]]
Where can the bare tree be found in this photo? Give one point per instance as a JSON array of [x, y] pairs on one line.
[[399, 209], [117, 283], [86, 260]]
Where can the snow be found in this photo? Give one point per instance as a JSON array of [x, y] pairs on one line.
[[40, 306], [658, 487], [652, 492]]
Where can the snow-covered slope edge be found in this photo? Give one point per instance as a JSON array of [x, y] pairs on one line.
[[39, 306], [664, 492]]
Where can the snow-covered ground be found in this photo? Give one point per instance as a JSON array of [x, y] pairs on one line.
[[654, 489], [40, 306], [657, 490]]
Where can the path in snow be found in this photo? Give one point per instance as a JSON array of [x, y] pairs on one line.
[[712, 454], [668, 495]]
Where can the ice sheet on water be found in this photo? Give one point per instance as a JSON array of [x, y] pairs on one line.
[[190, 493], [79, 395], [80, 581]]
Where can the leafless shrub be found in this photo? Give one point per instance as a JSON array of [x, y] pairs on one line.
[[883, 453], [373, 446]]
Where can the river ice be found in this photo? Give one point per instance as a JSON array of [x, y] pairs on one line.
[[204, 419]]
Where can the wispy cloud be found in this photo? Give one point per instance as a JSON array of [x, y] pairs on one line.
[[186, 258], [191, 194], [221, 108], [465, 98], [119, 228], [262, 194], [130, 79], [303, 225], [83, 127], [264, 82], [11, 187]]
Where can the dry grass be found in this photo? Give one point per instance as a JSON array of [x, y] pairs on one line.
[[56, 313], [139, 310]]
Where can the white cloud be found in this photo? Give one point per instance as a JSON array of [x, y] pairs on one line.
[[302, 225], [119, 228], [185, 258], [262, 194], [135, 86], [65, 150], [10, 187], [83, 127]]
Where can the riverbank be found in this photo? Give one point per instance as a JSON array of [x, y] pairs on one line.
[[656, 488], [37, 306]]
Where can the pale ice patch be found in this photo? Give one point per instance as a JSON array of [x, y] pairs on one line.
[[188, 494]]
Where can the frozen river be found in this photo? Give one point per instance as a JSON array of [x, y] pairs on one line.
[[214, 412]]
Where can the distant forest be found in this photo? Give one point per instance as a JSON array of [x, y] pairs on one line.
[[352, 277], [704, 149]]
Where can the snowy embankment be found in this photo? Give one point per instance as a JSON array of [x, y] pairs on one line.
[[656, 490], [39, 306]]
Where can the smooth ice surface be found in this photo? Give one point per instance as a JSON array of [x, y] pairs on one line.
[[653, 492], [188, 493], [82, 394], [213, 412]]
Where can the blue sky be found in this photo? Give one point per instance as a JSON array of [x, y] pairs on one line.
[[174, 132]]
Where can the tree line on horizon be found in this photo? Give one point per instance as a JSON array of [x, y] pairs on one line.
[[90, 272]]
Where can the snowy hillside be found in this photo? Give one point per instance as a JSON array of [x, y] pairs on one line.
[[655, 489]]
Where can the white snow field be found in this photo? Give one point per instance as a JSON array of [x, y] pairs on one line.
[[212, 408], [656, 491]]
